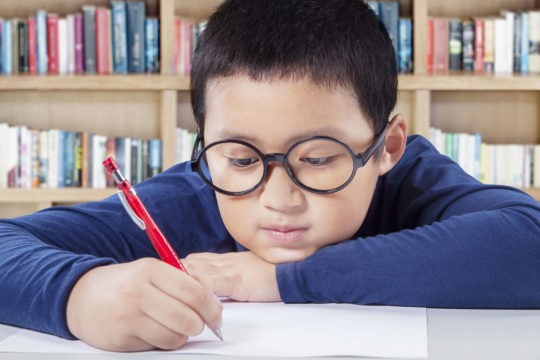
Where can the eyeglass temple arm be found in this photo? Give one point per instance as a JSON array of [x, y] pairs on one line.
[[370, 150]]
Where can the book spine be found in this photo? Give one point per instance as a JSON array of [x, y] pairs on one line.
[[534, 41], [61, 169], [110, 145], [70, 20], [77, 166], [7, 66], [53, 159], [500, 48], [15, 44], [4, 128], [509, 19], [187, 51], [405, 46], [389, 17], [32, 46], [24, 158], [536, 172], [154, 157], [135, 36], [89, 42], [429, 45], [52, 42], [13, 157], [69, 159], [517, 43], [102, 56], [524, 43], [35, 162], [455, 29], [119, 37], [468, 46], [151, 46], [23, 47], [43, 158], [478, 45], [62, 46], [84, 159], [441, 44], [489, 44], [127, 158], [78, 43], [41, 35], [176, 46]]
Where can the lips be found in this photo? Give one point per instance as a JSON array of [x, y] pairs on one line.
[[284, 234]]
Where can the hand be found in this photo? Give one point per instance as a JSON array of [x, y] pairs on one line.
[[240, 276], [141, 305]]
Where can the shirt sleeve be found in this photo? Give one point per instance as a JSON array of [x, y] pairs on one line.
[[43, 255], [434, 237]]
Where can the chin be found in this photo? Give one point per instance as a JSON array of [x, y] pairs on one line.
[[280, 256]]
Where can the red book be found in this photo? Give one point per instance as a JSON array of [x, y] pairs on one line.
[[176, 46], [429, 45], [479, 45], [52, 43], [440, 45], [102, 44], [78, 35], [187, 35], [32, 45]]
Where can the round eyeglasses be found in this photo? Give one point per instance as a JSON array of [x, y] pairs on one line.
[[318, 164]]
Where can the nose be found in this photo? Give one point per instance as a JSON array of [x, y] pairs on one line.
[[279, 193]]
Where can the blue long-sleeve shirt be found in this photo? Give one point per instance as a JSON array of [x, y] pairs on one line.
[[433, 237]]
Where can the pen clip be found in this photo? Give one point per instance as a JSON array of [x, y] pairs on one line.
[[137, 220]]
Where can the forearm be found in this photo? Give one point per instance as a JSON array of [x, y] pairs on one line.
[[478, 260]]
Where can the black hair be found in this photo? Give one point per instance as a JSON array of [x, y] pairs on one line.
[[334, 43]]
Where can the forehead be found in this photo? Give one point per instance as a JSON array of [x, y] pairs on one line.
[[274, 113]]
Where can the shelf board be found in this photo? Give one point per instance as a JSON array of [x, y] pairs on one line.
[[94, 82], [74, 195], [534, 192], [469, 81]]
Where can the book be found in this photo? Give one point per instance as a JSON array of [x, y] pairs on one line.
[[102, 49], [478, 45], [154, 157], [374, 5], [151, 45], [135, 12], [429, 45], [468, 45], [32, 46], [536, 169], [440, 44], [78, 43], [70, 43], [15, 45], [405, 46], [41, 39], [43, 158], [500, 49], [62, 46], [389, 16], [534, 41], [524, 43], [119, 36], [489, 44], [89, 38], [517, 43], [23, 46], [509, 17], [52, 43], [4, 150], [7, 66], [455, 29]]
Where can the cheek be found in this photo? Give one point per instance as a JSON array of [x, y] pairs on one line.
[[238, 215]]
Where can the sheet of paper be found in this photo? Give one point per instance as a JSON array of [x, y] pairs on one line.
[[277, 329]]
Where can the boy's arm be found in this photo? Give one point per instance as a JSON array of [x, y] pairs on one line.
[[44, 254], [446, 241]]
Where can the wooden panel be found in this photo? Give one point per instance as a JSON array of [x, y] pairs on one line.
[[500, 116], [195, 9], [420, 36], [185, 117], [110, 113], [168, 127], [469, 8], [10, 210], [25, 8]]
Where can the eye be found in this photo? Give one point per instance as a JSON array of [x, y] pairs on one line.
[[242, 163], [317, 161]]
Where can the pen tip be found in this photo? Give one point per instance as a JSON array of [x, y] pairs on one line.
[[217, 332]]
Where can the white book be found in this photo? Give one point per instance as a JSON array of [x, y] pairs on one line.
[[534, 41], [500, 45], [52, 174], [13, 157], [70, 44], [536, 174], [527, 166], [25, 158], [4, 128], [517, 160], [62, 46], [43, 158], [99, 148], [127, 158], [509, 40]]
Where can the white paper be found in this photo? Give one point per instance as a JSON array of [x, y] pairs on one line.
[[277, 329]]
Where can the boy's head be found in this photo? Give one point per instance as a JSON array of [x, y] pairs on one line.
[[272, 72]]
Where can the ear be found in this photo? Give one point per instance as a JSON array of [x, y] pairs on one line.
[[394, 145]]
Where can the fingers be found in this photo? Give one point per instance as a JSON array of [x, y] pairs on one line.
[[171, 313], [187, 290], [155, 335]]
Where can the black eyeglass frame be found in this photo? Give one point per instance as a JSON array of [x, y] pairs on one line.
[[359, 160]]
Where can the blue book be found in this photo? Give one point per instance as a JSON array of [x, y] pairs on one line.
[[7, 65], [119, 37], [389, 16], [405, 46], [152, 45], [41, 41], [120, 153], [135, 12], [524, 43], [61, 158], [154, 157], [69, 158], [374, 5]]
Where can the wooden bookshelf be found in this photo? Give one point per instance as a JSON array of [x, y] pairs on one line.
[[504, 108]]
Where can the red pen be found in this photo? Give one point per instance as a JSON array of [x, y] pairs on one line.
[[141, 217]]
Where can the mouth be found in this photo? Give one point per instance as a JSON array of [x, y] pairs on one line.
[[284, 235]]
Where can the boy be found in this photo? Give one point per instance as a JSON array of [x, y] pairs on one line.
[[297, 163]]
